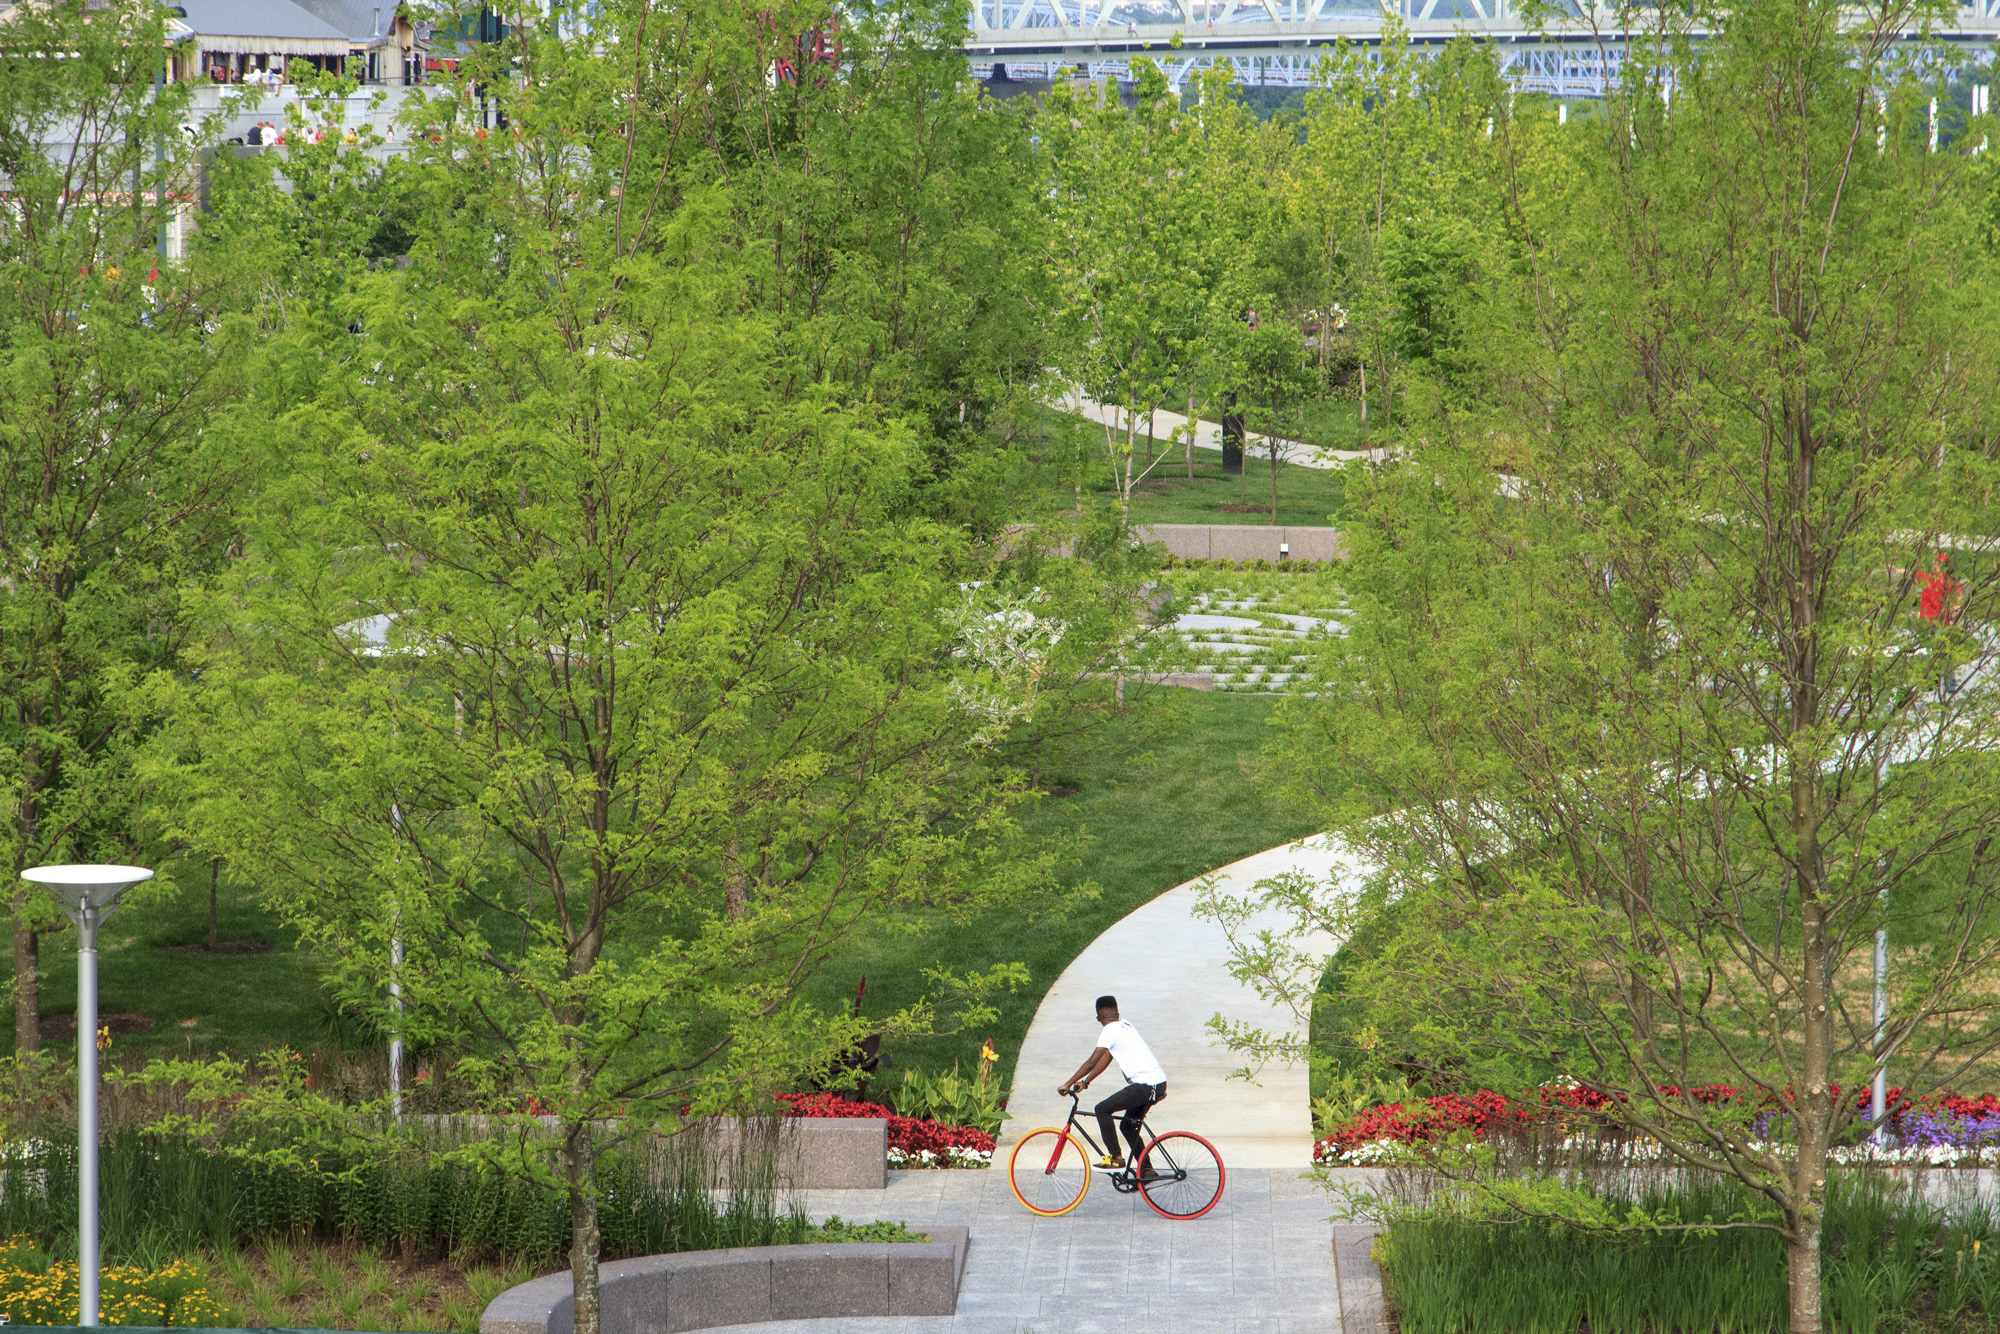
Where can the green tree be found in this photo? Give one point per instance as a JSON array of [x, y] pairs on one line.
[[1277, 386], [1651, 747], [590, 673], [118, 468], [1130, 211], [1398, 149]]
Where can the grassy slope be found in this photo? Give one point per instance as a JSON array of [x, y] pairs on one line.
[[1307, 497], [1153, 824], [240, 1003], [1195, 807]]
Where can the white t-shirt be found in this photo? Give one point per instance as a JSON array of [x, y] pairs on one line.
[[1135, 1059]]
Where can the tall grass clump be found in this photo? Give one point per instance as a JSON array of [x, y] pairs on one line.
[[165, 1196], [1896, 1254]]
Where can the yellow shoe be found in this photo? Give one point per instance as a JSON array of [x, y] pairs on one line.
[[1110, 1164]]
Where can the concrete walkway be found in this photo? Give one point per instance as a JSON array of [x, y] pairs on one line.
[[1264, 1261], [1208, 435], [1170, 972]]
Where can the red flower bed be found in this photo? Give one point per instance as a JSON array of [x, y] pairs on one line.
[[1435, 1118], [905, 1132], [1427, 1119]]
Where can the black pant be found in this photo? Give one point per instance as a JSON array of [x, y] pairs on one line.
[[1133, 1100]]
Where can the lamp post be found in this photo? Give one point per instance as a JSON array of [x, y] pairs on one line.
[[88, 894]]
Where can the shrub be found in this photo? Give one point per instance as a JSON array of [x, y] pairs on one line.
[[952, 1099], [34, 1291]]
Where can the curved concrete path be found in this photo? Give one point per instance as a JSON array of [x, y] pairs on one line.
[[1170, 972], [1208, 435]]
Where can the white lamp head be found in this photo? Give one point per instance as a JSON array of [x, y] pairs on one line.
[[100, 884]]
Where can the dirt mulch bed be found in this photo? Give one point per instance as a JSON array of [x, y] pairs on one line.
[[64, 1025], [222, 947]]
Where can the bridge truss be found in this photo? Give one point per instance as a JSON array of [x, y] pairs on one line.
[[1279, 43]]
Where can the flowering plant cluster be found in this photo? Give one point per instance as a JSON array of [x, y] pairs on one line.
[[919, 1142], [952, 1157], [1422, 1119], [1939, 1130], [176, 1294]]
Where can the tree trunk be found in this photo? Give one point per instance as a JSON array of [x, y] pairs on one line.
[[1193, 426], [27, 940], [27, 981], [1272, 441], [214, 869], [1363, 368], [1802, 1269], [580, 1160]]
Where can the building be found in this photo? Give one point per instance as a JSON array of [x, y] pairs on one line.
[[267, 41]]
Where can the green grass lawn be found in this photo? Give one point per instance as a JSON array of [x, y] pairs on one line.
[[1195, 806], [1152, 823], [199, 1003], [1307, 497]]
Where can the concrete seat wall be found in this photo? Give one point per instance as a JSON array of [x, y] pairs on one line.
[[670, 1294]]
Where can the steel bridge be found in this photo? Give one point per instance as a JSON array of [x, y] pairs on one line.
[[1280, 42]]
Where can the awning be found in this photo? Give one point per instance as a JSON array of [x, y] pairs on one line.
[[283, 46]]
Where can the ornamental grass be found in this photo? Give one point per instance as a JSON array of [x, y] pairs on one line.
[[1892, 1259]]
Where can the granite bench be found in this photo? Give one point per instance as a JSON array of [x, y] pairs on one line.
[[668, 1294]]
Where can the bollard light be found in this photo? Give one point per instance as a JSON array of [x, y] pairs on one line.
[[88, 894]]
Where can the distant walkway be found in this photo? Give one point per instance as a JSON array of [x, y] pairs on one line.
[[1265, 1260], [1208, 435], [1170, 972]]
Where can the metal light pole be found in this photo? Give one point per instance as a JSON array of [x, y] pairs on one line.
[[88, 894], [1878, 1100]]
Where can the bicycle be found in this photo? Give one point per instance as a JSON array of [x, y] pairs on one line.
[[1180, 1173]]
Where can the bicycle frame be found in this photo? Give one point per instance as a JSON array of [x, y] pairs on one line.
[[1072, 1126]]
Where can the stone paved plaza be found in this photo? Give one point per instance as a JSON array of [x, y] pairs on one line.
[[1265, 1259]]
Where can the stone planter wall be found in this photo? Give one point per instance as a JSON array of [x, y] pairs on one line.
[[668, 1294], [814, 1153], [1203, 541]]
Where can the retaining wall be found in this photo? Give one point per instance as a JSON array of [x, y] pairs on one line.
[[667, 1294], [1215, 541], [814, 1153]]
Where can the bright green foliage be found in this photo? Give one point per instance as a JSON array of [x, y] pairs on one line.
[[952, 1099], [1653, 741], [588, 674], [1277, 385], [1144, 249], [117, 464], [837, 1229], [1394, 184]]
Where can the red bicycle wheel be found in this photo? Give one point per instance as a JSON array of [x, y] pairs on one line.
[[1181, 1174]]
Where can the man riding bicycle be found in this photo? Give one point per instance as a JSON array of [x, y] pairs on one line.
[[1145, 1082]]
